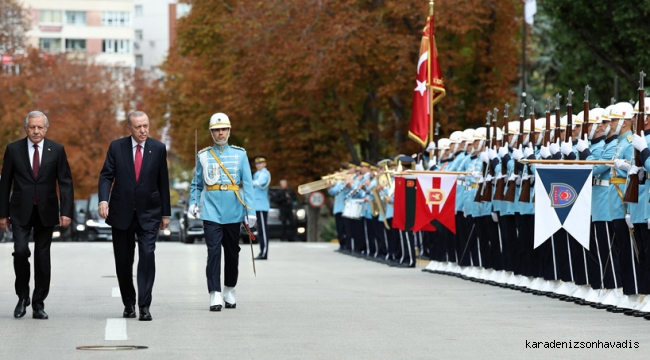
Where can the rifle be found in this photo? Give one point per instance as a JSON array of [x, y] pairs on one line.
[[569, 117], [501, 183], [547, 132], [524, 196], [585, 119], [479, 194], [487, 188], [632, 190], [558, 116], [510, 193]]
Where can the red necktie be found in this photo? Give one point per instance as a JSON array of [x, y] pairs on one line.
[[138, 161], [36, 165]]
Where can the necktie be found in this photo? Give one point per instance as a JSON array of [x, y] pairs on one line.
[[36, 161], [36, 165], [138, 161]]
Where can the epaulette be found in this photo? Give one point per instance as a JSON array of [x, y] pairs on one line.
[[204, 149], [629, 138], [238, 148]]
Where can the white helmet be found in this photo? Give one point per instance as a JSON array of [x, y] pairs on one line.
[[479, 134], [606, 113], [468, 135], [456, 137], [579, 119], [646, 105], [219, 121], [596, 115], [622, 110], [443, 144]]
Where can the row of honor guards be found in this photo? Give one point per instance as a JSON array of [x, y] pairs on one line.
[[494, 239]]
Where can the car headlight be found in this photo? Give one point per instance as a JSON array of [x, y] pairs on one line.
[[301, 230], [92, 222], [81, 227], [166, 232], [300, 214], [56, 234]]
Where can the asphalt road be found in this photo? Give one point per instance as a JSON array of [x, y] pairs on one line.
[[307, 302]]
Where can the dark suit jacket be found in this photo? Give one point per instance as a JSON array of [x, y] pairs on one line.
[[149, 196], [17, 172]]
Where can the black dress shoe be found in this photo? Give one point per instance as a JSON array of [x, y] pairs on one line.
[[639, 313], [259, 257], [618, 310], [21, 308], [230, 306], [215, 307], [39, 314], [129, 312], [145, 315], [601, 306]]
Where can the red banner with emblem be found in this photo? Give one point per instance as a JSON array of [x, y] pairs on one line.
[[435, 202]]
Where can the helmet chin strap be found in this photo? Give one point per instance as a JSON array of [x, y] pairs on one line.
[[618, 127], [551, 136], [607, 129], [539, 140], [220, 143], [512, 141], [526, 139], [593, 131], [455, 148]]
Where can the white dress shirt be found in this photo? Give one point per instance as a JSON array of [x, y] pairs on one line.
[[134, 145], [30, 148]]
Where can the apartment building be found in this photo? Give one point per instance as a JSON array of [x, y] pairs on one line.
[[98, 30]]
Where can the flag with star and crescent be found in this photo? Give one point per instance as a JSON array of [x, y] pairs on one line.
[[563, 201], [428, 79]]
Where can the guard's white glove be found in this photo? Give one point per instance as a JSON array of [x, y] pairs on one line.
[[583, 144], [491, 153], [419, 166], [639, 142], [251, 220], [488, 178], [256, 183], [525, 176], [621, 164], [500, 176], [532, 179], [567, 147], [433, 162], [554, 147], [648, 224], [461, 177], [477, 174], [633, 170], [495, 218], [503, 151], [529, 151], [517, 154], [628, 221], [431, 146], [544, 152], [518, 181], [512, 177], [484, 157], [194, 210]]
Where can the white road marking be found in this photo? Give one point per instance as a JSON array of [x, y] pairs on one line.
[[116, 292], [115, 329], [317, 246]]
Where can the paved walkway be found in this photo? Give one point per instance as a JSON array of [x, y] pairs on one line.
[[307, 302]]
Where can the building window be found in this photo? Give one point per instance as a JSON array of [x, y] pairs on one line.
[[49, 44], [116, 46], [75, 45], [138, 35], [50, 17], [138, 10], [138, 61], [77, 18], [113, 18]]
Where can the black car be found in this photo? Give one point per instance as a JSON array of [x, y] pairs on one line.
[[96, 226], [173, 231], [274, 224], [191, 228]]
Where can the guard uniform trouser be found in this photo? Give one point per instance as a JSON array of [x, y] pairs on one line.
[[524, 258], [226, 236], [562, 259], [262, 232], [369, 229], [484, 255], [42, 264], [607, 248], [381, 238], [508, 229], [340, 231], [643, 244], [469, 255], [628, 259]]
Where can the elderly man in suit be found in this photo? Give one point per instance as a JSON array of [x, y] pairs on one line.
[[138, 204], [33, 166]]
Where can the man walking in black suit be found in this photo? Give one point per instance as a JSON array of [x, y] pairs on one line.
[[33, 166], [136, 167]]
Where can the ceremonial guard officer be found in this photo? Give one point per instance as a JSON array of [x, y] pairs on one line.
[[224, 173], [261, 182]]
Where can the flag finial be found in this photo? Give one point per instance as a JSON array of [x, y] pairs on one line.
[[430, 7]]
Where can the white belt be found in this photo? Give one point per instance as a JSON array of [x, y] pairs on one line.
[[600, 182]]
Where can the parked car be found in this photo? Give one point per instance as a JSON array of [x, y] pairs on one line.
[[173, 231], [78, 226], [96, 226], [274, 224], [191, 227]]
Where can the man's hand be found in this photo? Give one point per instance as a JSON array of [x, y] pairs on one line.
[[164, 223], [64, 221], [103, 209], [4, 223]]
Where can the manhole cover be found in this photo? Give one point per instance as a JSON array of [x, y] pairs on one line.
[[112, 347]]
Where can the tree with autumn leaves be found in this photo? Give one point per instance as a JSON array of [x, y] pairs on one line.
[[308, 83]]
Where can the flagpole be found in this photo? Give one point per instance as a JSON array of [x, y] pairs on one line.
[[568, 162], [431, 122]]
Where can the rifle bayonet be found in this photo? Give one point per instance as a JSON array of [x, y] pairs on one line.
[[570, 97], [548, 104], [505, 114], [587, 88]]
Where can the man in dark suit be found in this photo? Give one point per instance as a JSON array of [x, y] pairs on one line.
[[136, 167], [33, 166], [285, 197]]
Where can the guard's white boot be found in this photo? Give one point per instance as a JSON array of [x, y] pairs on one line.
[[215, 301], [229, 297]]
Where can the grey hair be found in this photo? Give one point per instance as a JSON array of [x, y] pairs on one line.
[[36, 113], [133, 114]]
